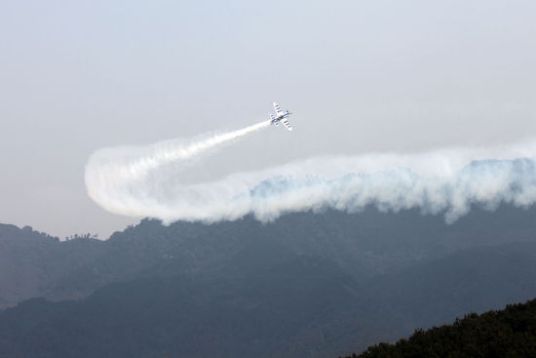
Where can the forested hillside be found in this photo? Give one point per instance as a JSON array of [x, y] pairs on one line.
[[510, 332]]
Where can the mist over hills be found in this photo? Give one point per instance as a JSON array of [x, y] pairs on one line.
[[314, 285]]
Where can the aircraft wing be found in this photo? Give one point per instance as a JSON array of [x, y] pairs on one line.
[[287, 124], [277, 108]]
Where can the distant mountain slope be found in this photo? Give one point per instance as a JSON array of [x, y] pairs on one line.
[[510, 332], [312, 285], [435, 292], [257, 314], [31, 262], [363, 245], [20, 270], [280, 305]]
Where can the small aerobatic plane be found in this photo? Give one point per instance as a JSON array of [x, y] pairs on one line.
[[280, 116]]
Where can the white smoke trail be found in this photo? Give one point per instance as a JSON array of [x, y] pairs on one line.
[[170, 151], [120, 179], [139, 181]]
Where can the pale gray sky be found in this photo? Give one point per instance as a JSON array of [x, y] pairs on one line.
[[360, 76]]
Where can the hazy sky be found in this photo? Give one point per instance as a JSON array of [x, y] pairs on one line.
[[360, 76]]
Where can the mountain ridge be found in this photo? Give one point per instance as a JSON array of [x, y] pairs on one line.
[[313, 285]]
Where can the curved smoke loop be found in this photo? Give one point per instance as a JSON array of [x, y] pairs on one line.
[[140, 181]]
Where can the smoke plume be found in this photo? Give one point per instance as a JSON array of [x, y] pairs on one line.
[[142, 181]]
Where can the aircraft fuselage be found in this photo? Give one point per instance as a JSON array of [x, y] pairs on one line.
[[279, 118]]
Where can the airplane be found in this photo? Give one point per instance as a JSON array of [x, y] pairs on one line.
[[280, 116]]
